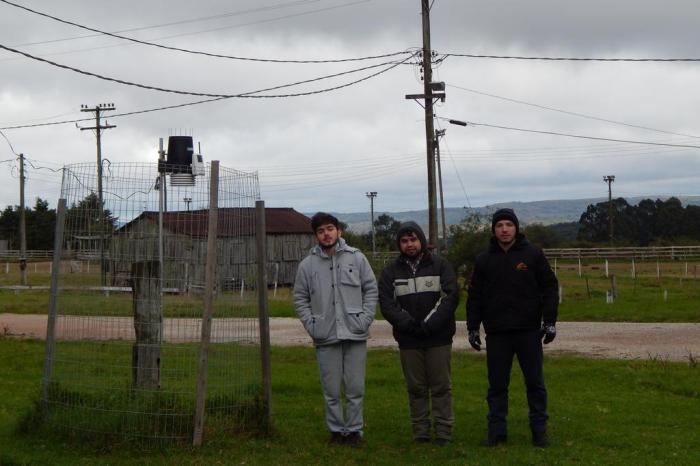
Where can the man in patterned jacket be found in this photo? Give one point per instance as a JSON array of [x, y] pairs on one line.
[[418, 295]]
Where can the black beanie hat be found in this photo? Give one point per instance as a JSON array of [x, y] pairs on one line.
[[505, 214]]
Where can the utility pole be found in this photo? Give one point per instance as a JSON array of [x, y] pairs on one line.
[[371, 195], [610, 179], [22, 227], [97, 110], [428, 91], [438, 134], [431, 91]]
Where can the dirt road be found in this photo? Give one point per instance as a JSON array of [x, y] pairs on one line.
[[675, 342]]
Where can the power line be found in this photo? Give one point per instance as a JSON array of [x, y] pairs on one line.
[[9, 143], [173, 23], [249, 95], [582, 115], [210, 54], [554, 133], [516, 57], [454, 165]]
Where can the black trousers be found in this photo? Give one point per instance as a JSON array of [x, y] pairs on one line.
[[500, 349]]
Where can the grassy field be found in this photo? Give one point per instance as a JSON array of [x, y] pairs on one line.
[[672, 297], [602, 412]]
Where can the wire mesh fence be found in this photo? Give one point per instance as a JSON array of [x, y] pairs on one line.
[[126, 354]]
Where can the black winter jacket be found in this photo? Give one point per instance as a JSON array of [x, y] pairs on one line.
[[513, 290], [420, 307]]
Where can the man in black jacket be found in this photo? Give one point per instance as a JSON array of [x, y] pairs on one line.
[[418, 295], [515, 294]]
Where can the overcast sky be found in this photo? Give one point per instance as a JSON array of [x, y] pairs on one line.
[[325, 151]]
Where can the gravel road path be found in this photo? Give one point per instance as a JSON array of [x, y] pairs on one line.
[[675, 342]]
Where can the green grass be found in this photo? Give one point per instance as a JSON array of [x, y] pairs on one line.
[[638, 300], [602, 412]]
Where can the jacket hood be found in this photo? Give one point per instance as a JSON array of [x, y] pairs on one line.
[[414, 228]]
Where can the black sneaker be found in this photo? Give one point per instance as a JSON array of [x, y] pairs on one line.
[[337, 438], [494, 441], [540, 439], [441, 441], [354, 439], [421, 440]]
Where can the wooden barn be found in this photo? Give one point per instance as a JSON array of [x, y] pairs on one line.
[[289, 239]]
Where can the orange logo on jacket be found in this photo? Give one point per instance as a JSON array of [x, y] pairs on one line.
[[521, 266]]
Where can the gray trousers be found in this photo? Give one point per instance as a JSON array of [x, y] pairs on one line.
[[427, 373], [342, 367]]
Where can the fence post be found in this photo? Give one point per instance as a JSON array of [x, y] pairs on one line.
[[579, 266], [561, 293], [209, 280], [555, 266], [634, 270], [658, 269], [613, 285], [53, 298], [606, 269], [264, 320]]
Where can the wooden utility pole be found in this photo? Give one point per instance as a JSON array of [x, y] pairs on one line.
[[371, 195], [431, 91], [429, 130], [22, 226], [97, 110], [439, 133], [609, 179]]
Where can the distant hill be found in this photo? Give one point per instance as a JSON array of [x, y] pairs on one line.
[[545, 212]]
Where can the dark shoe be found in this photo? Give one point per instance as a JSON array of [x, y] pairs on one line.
[[421, 440], [494, 441], [540, 439], [337, 438], [354, 439], [441, 442]]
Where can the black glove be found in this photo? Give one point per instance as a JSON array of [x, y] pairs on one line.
[[417, 329], [475, 339], [549, 332]]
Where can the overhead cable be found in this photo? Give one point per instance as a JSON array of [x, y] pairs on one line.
[[9, 143], [207, 54], [249, 95], [173, 23], [554, 133], [566, 112], [516, 57]]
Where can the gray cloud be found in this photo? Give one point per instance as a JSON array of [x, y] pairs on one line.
[[326, 151]]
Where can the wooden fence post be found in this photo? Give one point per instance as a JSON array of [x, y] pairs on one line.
[[264, 320], [146, 279], [53, 308], [209, 280]]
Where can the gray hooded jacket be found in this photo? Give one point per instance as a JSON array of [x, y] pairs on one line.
[[335, 296]]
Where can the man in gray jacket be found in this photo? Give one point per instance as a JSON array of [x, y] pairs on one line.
[[335, 294]]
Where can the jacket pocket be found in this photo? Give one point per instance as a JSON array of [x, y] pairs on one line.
[[320, 327], [350, 275], [354, 321]]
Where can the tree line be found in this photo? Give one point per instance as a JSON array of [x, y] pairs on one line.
[[650, 222], [40, 222]]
